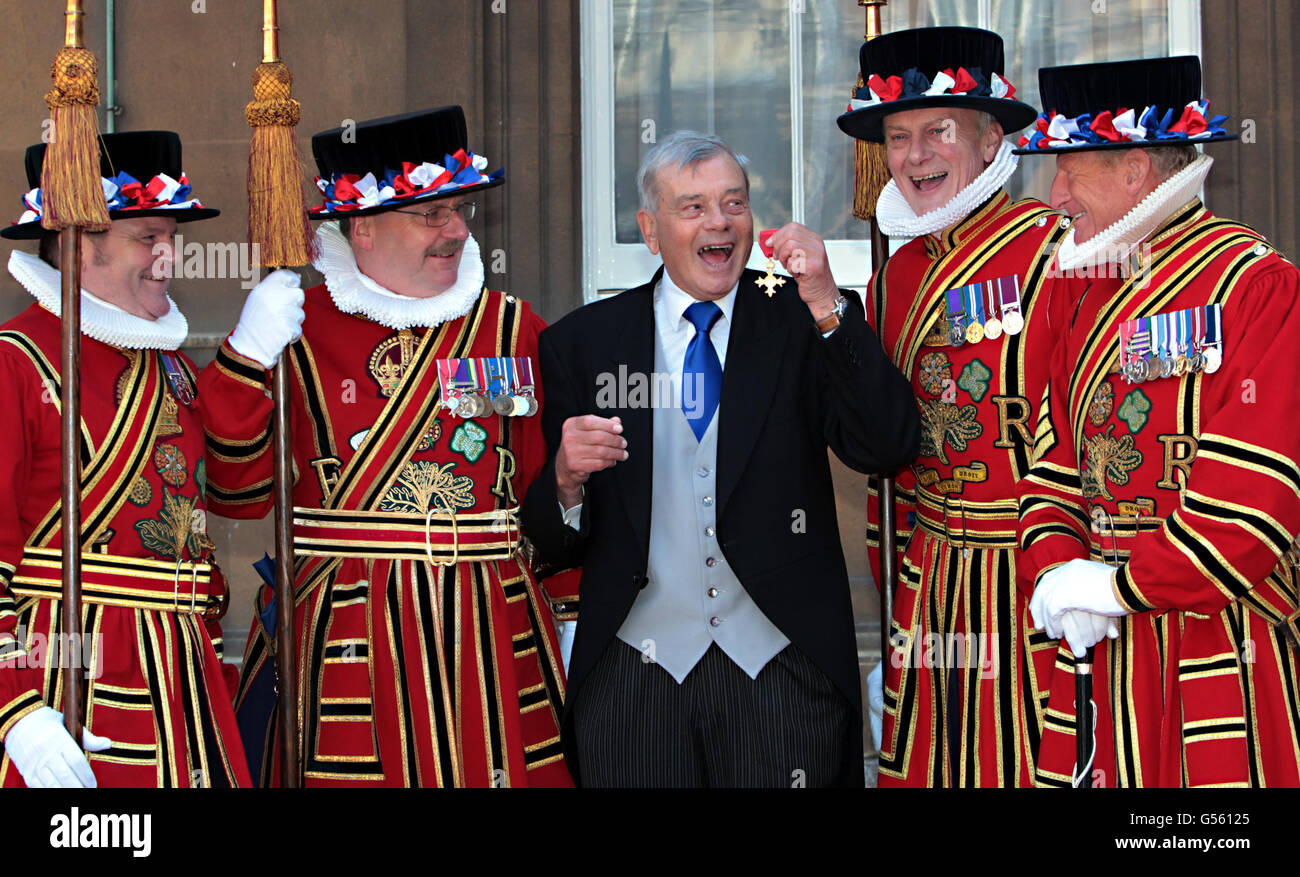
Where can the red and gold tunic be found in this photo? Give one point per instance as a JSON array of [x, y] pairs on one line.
[[1190, 485], [155, 685], [959, 692], [427, 653]]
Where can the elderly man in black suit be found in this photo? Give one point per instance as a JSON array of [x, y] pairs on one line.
[[688, 421]]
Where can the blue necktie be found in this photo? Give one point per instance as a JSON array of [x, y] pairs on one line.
[[701, 370]]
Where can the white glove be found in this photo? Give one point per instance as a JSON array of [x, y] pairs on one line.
[[1079, 584], [876, 703], [271, 319], [1083, 630], [45, 754]]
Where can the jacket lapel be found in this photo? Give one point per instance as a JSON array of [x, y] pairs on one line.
[[631, 358], [749, 379]]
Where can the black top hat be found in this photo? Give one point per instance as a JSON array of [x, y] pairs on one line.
[[134, 163], [900, 68], [382, 164], [1083, 101]]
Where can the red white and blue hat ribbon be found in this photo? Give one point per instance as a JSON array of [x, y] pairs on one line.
[[1054, 131], [346, 192], [125, 193], [914, 83]]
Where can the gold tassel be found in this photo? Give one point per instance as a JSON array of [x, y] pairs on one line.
[[71, 194], [277, 211], [870, 174]]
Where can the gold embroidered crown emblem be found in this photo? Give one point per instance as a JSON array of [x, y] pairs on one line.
[[390, 359]]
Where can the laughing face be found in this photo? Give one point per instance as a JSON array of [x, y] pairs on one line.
[[1093, 189], [935, 152], [130, 265], [702, 227]]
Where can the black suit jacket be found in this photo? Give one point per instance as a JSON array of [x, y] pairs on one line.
[[787, 394]]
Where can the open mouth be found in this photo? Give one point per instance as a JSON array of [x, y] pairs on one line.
[[929, 182], [715, 254]]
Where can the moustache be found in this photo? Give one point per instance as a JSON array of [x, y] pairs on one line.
[[446, 250]]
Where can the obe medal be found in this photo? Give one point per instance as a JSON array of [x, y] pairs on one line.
[[769, 281]]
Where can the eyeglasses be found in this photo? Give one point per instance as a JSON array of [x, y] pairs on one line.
[[440, 216]]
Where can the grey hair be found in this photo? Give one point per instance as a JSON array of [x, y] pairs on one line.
[[1169, 160], [1165, 160], [681, 149]]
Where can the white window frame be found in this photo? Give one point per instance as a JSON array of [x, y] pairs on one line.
[[608, 266]]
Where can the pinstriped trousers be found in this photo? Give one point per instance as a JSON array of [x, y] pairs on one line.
[[635, 726]]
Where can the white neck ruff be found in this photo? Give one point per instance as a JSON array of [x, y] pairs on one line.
[[897, 219], [1116, 242], [99, 319], [355, 293]]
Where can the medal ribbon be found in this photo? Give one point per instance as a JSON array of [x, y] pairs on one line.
[[975, 302], [956, 307], [1009, 293], [1213, 316], [1126, 355]]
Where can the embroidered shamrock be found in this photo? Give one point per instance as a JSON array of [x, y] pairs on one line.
[[936, 371], [1134, 410], [1103, 402], [974, 379], [469, 440]]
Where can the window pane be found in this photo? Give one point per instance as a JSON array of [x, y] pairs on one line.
[[718, 66], [1047, 33], [832, 35]]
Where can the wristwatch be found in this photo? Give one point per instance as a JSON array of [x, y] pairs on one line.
[[829, 323]]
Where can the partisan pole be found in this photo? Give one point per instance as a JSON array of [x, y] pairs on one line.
[[277, 226], [871, 173], [72, 199]]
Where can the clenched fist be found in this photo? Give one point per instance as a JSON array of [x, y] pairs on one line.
[[587, 444]]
